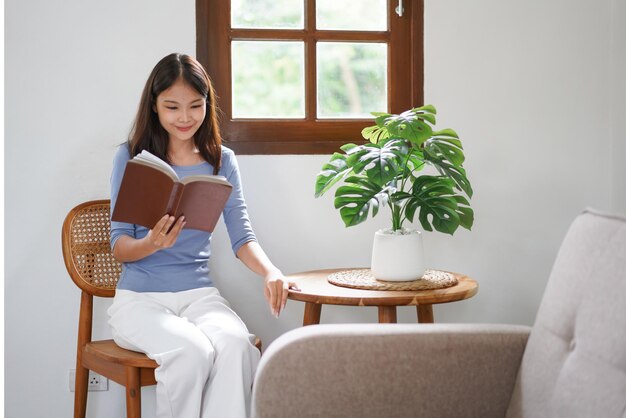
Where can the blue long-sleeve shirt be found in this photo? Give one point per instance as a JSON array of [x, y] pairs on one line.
[[183, 266]]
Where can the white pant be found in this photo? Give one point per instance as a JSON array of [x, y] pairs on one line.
[[204, 350]]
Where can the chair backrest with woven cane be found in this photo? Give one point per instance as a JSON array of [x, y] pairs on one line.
[[90, 264]]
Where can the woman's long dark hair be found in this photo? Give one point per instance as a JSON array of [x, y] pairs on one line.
[[147, 132]]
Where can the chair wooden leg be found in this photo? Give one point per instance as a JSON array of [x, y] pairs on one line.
[[133, 393], [80, 392]]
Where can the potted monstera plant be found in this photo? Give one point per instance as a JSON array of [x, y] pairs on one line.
[[415, 171]]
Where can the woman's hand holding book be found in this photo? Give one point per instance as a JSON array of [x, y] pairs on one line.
[[165, 232]]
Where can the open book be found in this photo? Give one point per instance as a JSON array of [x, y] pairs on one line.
[[150, 189]]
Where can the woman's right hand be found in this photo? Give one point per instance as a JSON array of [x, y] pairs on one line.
[[160, 238], [128, 249]]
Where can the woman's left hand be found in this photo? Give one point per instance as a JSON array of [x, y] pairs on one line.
[[276, 291]]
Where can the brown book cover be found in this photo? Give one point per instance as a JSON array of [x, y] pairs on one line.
[[150, 189]]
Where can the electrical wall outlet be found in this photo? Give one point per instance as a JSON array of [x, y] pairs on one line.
[[96, 382]]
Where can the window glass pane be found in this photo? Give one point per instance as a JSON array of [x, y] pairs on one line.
[[276, 14], [351, 15], [351, 79], [268, 79]]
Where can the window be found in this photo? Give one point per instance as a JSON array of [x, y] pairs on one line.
[[301, 76]]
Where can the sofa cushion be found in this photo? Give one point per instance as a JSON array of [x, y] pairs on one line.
[[574, 364]]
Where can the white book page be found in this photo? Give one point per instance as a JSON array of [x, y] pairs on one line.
[[213, 179], [150, 158]]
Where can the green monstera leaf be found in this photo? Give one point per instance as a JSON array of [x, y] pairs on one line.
[[439, 207], [444, 151], [414, 124], [375, 134], [332, 172], [355, 200], [456, 174], [380, 162], [465, 212], [445, 145]]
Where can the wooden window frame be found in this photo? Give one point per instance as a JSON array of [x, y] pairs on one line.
[[309, 135]]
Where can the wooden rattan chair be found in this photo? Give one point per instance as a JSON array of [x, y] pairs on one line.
[[90, 264]]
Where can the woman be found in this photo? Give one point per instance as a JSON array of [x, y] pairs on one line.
[[165, 304]]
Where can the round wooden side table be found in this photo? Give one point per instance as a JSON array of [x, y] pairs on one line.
[[315, 291]]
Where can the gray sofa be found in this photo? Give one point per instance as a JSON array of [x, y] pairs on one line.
[[572, 363]]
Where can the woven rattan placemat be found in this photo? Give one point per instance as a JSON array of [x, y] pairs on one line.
[[363, 279]]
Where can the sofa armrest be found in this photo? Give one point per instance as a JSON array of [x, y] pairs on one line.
[[390, 370]]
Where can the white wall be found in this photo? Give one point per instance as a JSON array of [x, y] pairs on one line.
[[618, 103], [528, 85]]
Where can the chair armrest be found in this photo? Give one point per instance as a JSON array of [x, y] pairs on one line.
[[390, 370]]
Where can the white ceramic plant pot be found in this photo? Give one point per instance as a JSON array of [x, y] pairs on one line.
[[396, 256]]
